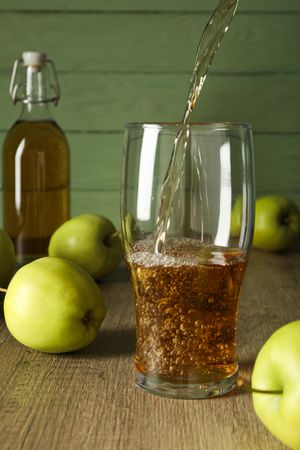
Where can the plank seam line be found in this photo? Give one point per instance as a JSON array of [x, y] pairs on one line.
[[139, 12], [117, 190], [121, 132], [216, 73]]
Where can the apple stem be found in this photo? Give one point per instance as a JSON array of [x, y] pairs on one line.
[[110, 238], [115, 234], [259, 391], [246, 385], [2, 289], [285, 220]]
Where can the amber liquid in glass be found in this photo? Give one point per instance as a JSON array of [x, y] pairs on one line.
[[35, 185], [186, 310]]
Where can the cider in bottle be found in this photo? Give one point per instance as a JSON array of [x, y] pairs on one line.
[[36, 168]]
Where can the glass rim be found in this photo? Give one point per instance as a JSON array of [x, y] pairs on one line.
[[179, 125]]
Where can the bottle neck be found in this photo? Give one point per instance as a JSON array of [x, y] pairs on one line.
[[36, 99], [35, 112]]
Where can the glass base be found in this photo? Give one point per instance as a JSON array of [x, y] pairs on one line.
[[159, 386]]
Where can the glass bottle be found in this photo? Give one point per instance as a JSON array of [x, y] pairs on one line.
[[36, 168]]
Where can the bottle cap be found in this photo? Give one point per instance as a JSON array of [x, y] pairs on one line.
[[34, 62], [34, 58]]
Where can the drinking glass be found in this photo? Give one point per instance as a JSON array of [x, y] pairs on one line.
[[187, 278]]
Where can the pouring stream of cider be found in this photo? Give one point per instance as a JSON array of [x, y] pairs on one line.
[[210, 40]]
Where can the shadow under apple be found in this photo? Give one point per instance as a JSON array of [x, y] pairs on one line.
[[121, 275], [110, 343]]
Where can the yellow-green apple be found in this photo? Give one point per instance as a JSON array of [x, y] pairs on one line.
[[277, 222], [7, 259], [53, 305], [89, 240], [129, 229], [276, 384], [236, 217]]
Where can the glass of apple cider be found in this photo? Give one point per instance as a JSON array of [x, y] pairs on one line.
[[187, 211]]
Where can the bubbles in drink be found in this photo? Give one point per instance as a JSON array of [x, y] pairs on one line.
[[186, 308]]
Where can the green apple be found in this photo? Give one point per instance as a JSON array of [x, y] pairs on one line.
[[129, 230], [7, 259], [53, 305], [89, 240], [236, 217], [276, 384], [277, 223]]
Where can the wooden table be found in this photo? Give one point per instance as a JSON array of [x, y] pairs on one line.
[[87, 400]]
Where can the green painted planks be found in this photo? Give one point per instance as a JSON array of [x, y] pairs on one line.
[[156, 5], [96, 162], [108, 203], [105, 203], [153, 43], [106, 102], [277, 164], [127, 60]]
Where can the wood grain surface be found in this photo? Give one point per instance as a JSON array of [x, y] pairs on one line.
[[88, 400]]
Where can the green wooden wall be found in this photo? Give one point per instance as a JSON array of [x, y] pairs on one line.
[[131, 60]]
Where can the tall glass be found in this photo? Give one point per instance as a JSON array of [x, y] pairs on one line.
[[187, 288]]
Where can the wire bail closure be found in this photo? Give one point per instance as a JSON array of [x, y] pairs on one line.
[[14, 87]]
